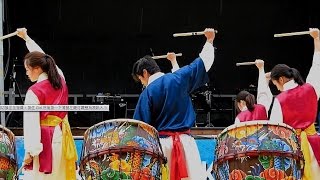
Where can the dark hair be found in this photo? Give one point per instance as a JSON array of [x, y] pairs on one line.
[[147, 63], [248, 98], [280, 70], [47, 64]]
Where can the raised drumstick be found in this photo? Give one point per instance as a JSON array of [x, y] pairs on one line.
[[8, 35], [245, 63], [190, 33], [291, 34], [164, 56]]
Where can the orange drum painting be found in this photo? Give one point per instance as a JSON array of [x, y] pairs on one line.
[[8, 164]]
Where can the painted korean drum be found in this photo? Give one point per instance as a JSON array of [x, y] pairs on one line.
[[258, 150], [8, 163], [121, 149]]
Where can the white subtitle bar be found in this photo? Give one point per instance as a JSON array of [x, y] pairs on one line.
[[37, 108]]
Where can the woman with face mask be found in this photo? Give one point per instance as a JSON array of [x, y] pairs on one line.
[[247, 107]]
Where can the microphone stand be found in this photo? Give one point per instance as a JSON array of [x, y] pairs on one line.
[[12, 90]]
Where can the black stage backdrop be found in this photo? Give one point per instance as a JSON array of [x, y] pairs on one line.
[[96, 42]]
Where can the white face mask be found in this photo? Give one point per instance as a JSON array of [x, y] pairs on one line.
[[242, 105]]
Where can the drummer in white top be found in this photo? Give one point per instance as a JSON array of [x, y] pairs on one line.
[[296, 106]]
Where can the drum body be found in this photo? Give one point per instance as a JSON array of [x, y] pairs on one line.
[[258, 150], [121, 149], [8, 163]]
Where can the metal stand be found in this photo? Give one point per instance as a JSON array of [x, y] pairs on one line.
[[2, 114], [208, 95], [12, 93]]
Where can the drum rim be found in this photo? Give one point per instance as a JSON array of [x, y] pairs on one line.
[[7, 130], [118, 120], [85, 159], [293, 155], [256, 122]]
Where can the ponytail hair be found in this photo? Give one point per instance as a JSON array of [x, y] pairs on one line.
[[248, 98], [280, 70], [47, 64], [296, 76]]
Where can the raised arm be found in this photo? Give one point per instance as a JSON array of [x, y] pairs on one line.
[[32, 45], [171, 56], [314, 74], [207, 53], [264, 95]]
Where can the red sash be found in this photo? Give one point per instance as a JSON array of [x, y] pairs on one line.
[[178, 167]]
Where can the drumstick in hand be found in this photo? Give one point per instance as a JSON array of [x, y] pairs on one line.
[[245, 63], [164, 56], [8, 35], [291, 34], [190, 33]]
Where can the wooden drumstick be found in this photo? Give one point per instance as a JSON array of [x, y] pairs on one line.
[[8, 35], [19, 171], [191, 33], [291, 34], [245, 63], [164, 56]]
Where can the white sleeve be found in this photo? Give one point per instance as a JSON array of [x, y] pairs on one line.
[[207, 55], [276, 112], [175, 67], [31, 127], [32, 45], [264, 95], [237, 121], [313, 77]]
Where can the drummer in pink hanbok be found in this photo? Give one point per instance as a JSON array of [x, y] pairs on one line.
[[49, 146], [297, 106], [246, 104]]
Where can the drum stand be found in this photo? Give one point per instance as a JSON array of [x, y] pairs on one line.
[[208, 95]]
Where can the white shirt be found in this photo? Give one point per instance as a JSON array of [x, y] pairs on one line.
[[313, 78], [207, 56], [31, 120]]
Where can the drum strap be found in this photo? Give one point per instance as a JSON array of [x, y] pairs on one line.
[[68, 146], [270, 108], [178, 168], [164, 166], [311, 130]]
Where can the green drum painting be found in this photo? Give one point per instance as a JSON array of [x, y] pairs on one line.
[[121, 149]]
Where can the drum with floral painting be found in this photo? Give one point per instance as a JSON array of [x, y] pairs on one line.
[[121, 149], [258, 150], [8, 163]]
